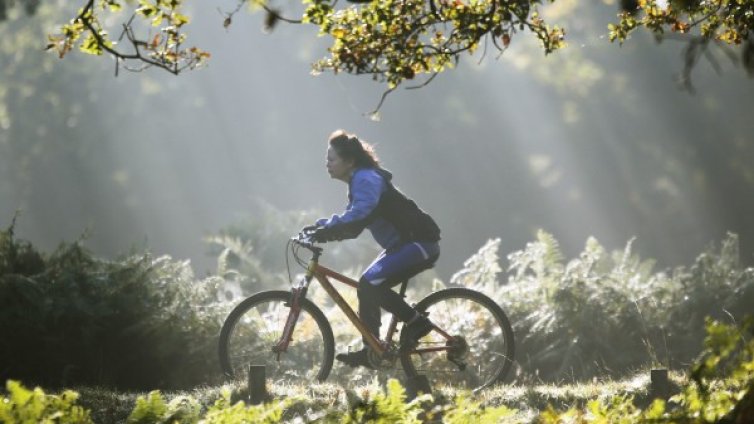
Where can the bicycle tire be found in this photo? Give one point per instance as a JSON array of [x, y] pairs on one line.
[[309, 355], [488, 344]]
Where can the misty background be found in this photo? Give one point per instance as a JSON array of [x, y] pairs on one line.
[[595, 140]]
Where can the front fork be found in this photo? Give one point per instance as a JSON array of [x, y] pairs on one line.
[[297, 293]]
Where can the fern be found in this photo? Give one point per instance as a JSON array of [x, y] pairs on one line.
[[610, 313], [552, 255], [465, 410], [155, 409], [542, 258], [480, 271], [225, 412], [235, 253], [386, 408], [34, 406], [79, 319]]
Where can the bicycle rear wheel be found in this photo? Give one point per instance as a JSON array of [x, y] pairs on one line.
[[254, 327], [480, 352]]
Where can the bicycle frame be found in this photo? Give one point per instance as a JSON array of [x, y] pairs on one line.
[[323, 274]]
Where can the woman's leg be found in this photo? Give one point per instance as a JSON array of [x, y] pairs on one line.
[[389, 269]]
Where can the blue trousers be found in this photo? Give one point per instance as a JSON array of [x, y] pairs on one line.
[[389, 269]]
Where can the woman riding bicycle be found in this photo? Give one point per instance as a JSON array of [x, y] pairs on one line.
[[407, 234]]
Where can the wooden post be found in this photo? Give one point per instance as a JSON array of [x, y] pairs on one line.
[[660, 385], [257, 384], [417, 385]]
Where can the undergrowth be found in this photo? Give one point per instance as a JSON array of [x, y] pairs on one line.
[[137, 322], [143, 322], [608, 313], [720, 389]]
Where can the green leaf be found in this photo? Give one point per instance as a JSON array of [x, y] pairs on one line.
[[147, 9], [91, 46], [179, 20], [114, 6], [157, 20]]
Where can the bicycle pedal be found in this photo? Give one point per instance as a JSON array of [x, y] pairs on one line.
[[385, 361]]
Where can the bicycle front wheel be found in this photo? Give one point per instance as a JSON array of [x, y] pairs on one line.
[[254, 328], [480, 350]]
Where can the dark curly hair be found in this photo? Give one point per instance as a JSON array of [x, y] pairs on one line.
[[349, 147]]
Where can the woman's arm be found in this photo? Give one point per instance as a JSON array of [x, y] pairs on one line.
[[366, 188]]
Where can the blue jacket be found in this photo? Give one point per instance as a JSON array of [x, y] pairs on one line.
[[374, 203]]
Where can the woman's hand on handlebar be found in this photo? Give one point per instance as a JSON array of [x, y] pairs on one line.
[[308, 230], [305, 239], [305, 236], [317, 233]]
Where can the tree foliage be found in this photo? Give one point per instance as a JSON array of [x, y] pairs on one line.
[[166, 49], [706, 22], [397, 40]]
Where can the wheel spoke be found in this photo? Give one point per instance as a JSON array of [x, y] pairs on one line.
[[482, 341], [255, 326]]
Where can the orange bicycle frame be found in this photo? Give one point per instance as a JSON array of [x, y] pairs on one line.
[[321, 273]]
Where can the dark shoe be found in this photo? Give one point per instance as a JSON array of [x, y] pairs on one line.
[[414, 331], [359, 358]]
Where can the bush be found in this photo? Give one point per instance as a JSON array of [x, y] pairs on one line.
[[139, 322], [608, 313]]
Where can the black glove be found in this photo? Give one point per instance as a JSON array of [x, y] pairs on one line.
[[309, 229], [322, 235]]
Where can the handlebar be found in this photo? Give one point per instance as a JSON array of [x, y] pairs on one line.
[[304, 240]]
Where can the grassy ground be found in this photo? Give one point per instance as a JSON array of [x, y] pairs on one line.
[[310, 402]]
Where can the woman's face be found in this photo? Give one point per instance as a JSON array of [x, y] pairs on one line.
[[337, 167]]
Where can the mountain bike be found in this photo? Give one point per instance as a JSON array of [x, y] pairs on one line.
[[470, 346]]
